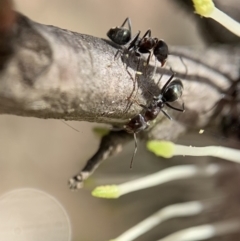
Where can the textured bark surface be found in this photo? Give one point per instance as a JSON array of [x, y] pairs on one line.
[[48, 72], [55, 73]]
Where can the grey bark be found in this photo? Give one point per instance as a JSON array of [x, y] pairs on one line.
[[55, 73]]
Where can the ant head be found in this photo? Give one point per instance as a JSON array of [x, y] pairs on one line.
[[173, 91], [119, 35], [161, 51]]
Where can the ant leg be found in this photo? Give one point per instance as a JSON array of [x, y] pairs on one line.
[[118, 54], [139, 60], [128, 21], [149, 57], [159, 79], [147, 33], [135, 149], [128, 46], [167, 83], [132, 42], [155, 69], [129, 25], [130, 96], [136, 101], [145, 64], [174, 108], [165, 113], [136, 74]]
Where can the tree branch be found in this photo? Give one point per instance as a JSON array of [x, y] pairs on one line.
[[56, 73]]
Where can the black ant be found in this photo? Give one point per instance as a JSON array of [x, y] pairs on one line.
[[171, 91], [144, 45], [121, 35], [151, 46]]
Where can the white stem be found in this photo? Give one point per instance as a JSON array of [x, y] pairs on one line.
[[216, 151], [166, 175], [171, 211], [163, 176], [226, 21], [204, 231]]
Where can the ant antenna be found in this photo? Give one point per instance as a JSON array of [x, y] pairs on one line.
[[175, 108], [166, 114], [135, 150], [69, 126]]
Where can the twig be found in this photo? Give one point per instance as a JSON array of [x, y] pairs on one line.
[[55, 73]]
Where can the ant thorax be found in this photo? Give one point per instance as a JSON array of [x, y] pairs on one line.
[[152, 111], [160, 102], [136, 124]]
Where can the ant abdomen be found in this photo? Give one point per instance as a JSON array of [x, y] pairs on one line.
[[160, 51]]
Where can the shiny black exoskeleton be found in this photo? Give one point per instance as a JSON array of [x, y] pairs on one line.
[[149, 45], [145, 45], [136, 124], [121, 35], [171, 91]]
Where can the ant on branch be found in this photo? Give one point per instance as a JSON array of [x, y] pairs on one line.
[[139, 46], [171, 91], [151, 46]]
